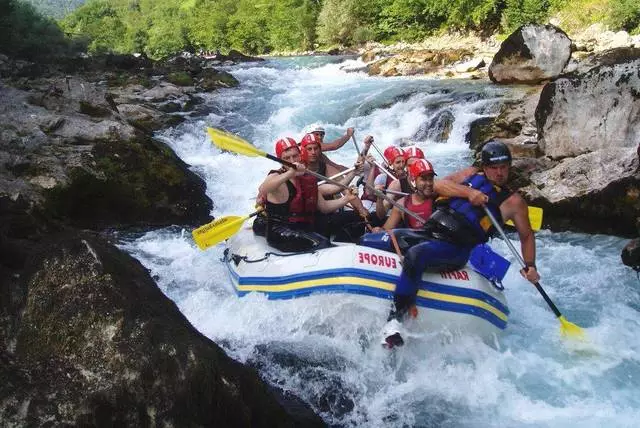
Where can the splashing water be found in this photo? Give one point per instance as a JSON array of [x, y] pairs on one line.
[[325, 348]]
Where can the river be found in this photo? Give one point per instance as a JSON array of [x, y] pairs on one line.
[[326, 349]]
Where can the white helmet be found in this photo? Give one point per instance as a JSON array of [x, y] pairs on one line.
[[316, 128]]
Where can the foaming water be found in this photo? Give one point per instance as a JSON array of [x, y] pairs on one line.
[[325, 348]]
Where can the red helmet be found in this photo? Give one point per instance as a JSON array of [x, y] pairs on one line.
[[420, 167], [413, 152], [392, 152], [283, 144], [310, 139]]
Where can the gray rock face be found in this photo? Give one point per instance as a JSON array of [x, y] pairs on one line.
[[67, 148], [98, 344], [600, 188], [531, 54], [597, 110]]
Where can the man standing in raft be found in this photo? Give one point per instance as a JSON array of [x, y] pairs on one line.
[[292, 200], [460, 224]]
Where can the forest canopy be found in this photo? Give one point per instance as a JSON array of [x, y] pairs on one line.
[[162, 27]]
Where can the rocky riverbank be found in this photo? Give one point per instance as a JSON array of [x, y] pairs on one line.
[[573, 123], [86, 336]]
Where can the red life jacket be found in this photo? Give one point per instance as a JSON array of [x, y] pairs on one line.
[[303, 206], [423, 210]]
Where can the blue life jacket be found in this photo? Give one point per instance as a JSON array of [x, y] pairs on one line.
[[476, 216]]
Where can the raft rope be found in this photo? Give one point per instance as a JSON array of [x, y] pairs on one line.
[[237, 258]]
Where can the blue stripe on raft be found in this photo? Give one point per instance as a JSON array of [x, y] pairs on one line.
[[360, 273], [463, 309]]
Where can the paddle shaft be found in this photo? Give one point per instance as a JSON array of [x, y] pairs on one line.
[[394, 203], [355, 144], [377, 149], [308, 171], [393, 192], [517, 255], [385, 170], [346, 171]]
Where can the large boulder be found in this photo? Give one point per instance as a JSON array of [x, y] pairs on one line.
[[66, 147], [531, 54], [597, 191], [98, 344], [597, 110]]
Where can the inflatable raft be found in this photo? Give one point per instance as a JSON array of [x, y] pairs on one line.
[[460, 300]]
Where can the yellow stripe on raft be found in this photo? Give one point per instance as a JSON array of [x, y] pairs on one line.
[[310, 283], [463, 301], [388, 286]]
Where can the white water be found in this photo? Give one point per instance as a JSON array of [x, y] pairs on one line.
[[325, 348]]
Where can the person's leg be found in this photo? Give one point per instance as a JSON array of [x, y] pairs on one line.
[[433, 256], [345, 226]]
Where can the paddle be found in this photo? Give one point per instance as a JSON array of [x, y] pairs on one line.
[[566, 328], [233, 143], [218, 230]]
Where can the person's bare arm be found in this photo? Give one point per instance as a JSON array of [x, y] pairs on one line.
[[331, 205], [272, 183], [452, 189], [394, 218], [337, 143], [515, 208]]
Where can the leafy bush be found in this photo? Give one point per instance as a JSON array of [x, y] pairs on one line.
[[520, 12], [625, 15]]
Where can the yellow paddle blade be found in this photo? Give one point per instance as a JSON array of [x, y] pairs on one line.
[[571, 330], [535, 218], [233, 143], [217, 231]]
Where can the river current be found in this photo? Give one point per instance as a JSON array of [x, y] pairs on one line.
[[325, 349]]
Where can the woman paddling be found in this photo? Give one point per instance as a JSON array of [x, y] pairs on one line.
[[292, 199]]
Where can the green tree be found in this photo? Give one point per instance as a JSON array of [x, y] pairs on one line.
[[247, 27], [520, 12], [26, 34], [100, 21]]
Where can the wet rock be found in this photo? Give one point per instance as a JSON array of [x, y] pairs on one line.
[[631, 254], [94, 172], [568, 125], [99, 343], [437, 128], [211, 79], [597, 191], [416, 62], [515, 122], [531, 54]]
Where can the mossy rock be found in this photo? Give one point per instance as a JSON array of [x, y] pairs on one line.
[[212, 79], [180, 78], [94, 110], [133, 183]]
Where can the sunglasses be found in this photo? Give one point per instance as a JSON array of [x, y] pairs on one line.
[[318, 133]]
